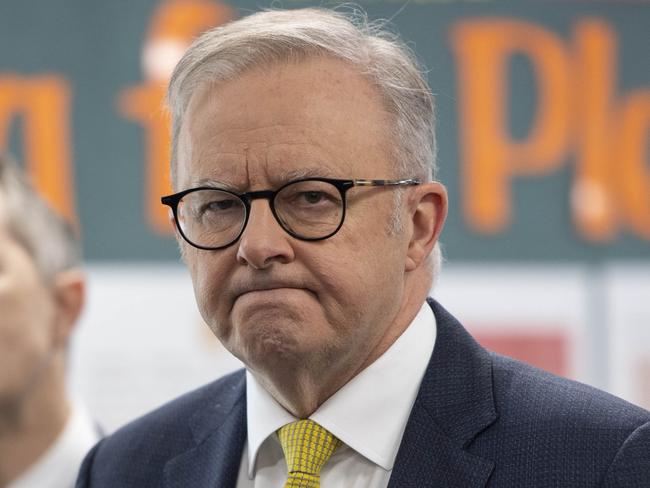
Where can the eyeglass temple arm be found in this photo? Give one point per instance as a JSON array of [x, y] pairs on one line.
[[409, 182]]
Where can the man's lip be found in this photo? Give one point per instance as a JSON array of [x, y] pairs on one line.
[[271, 288]]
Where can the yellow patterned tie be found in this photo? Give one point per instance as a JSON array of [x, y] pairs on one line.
[[307, 447]]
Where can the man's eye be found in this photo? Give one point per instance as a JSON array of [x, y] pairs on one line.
[[312, 197], [217, 206], [222, 204]]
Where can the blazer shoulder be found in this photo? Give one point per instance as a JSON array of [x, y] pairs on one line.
[[135, 454], [522, 388], [529, 423], [221, 394], [546, 423]]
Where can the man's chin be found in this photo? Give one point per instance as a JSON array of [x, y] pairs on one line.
[[268, 343], [272, 332]]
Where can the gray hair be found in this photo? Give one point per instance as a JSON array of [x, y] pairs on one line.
[[48, 238], [269, 37]]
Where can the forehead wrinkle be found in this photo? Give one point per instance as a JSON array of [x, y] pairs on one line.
[[246, 145], [244, 131], [283, 176], [217, 157], [300, 154]]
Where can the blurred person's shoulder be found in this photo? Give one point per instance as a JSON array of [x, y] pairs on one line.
[[138, 451]]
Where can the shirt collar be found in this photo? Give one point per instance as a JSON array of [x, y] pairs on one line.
[[264, 415], [370, 412]]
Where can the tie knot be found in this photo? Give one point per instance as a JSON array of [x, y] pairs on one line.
[[307, 446]]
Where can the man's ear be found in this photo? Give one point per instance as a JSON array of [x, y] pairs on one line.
[[69, 289], [427, 211]]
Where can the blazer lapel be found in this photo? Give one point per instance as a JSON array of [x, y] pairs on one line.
[[220, 433], [453, 406]]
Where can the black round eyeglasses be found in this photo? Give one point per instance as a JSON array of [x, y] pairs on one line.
[[309, 209]]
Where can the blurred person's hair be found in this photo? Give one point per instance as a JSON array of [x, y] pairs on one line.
[[46, 236], [270, 37]]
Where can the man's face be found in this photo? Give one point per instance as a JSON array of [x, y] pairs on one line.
[[270, 298], [26, 312]]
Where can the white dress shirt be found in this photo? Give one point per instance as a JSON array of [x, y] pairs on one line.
[[59, 465], [369, 414]]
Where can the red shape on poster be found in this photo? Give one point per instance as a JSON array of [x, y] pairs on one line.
[[545, 349]]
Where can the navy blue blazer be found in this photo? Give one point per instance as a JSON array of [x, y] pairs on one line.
[[479, 420]]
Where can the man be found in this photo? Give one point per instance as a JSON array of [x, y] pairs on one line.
[[43, 435], [307, 215]]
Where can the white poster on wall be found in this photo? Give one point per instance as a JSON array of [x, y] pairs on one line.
[[141, 341]]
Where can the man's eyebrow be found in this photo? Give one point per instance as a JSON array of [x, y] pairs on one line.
[[215, 184]]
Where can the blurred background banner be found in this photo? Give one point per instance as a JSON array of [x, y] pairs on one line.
[[543, 130]]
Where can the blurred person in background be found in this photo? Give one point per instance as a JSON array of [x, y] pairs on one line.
[[308, 215], [43, 433]]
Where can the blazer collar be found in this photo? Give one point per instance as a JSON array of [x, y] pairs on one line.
[[219, 431], [454, 404]]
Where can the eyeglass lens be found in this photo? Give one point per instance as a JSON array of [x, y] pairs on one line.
[[306, 209]]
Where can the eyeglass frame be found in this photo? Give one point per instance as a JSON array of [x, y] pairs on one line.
[[341, 185]]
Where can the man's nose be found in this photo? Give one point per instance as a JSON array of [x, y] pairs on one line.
[[264, 242]]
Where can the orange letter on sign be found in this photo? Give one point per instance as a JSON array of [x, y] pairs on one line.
[[612, 185], [174, 25], [490, 157], [592, 196], [632, 171], [44, 103]]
